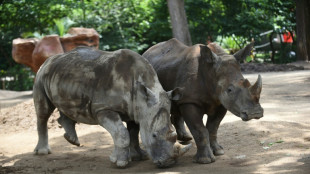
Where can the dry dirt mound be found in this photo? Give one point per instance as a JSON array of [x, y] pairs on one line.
[[22, 117]]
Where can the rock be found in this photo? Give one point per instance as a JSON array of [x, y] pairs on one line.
[[33, 52], [80, 37], [79, 30], [46, 47], [22, 51]]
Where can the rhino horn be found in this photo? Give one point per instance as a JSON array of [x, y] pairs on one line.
[[172, 136], [179, 149], [257, 87]]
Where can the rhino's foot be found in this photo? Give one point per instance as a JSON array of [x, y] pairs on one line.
[[72, 139], [120, 157], [217, 149], [42, 150], [184, 137], [69, 126], [138, 154], [204, 158]]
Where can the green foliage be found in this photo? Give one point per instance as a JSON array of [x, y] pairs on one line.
[[239, 18], [204, 19], [121, 24], [230, 42], [60, 27], [17, 78], [284, 14], [32, 15], [25, 18], [139, 24], [160, 28]]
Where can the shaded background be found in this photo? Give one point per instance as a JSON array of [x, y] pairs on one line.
[[139, 24]]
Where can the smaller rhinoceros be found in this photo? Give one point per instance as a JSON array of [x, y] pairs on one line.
[[212, 83], [106, 88]]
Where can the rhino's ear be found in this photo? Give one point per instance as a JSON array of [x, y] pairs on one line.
[[244, 52], [149, 94], [207, 55], [176, 94]]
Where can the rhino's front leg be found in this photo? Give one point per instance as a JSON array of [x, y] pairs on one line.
[[178, 123], [69, 126], [112, 122], [136, 153], [212, 125], [193, 117]]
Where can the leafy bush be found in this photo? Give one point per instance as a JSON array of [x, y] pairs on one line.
[[17, 78], [139, 24]]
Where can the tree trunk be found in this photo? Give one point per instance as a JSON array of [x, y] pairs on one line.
[[179, 21], [303, 28]]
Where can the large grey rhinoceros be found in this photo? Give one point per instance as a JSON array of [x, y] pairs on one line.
[[106, 88], [212, 83]]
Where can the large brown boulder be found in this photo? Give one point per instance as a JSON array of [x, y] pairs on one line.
[[80, 37], [80, 30], [33, 52], [22, 51], [46, 47]]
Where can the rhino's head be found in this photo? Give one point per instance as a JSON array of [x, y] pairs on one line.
[[157, 133], [234, 92], [242, 99]]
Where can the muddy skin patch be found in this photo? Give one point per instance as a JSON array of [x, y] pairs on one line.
[[103, 72], [149, 77], [123, 66], [122, 109], [158, 145], [160, 112], [112, 117], [88, 53]]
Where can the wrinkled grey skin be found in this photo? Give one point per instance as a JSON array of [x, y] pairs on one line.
[[212, 83], [95, 87]]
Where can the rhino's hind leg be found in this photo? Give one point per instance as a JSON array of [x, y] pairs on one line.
[[112, 122], [178, 123], [212, 125], [136, 153], [44, 109], [69, 126]]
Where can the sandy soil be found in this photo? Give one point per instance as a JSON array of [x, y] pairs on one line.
[[277, 143]]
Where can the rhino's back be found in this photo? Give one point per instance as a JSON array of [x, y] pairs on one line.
[[174, 63], [83, 81]]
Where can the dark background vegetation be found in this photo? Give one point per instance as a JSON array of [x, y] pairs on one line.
[[139, 24]]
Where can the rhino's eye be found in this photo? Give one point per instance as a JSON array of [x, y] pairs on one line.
[[230, 89], [154, 135]]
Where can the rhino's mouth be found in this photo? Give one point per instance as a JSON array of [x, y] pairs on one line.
[[165, 163], [246, 117]]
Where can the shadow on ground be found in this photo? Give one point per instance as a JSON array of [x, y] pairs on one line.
[[285, 153]]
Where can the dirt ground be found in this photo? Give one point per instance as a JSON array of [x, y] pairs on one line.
[[277, 143]]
